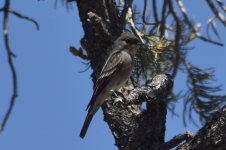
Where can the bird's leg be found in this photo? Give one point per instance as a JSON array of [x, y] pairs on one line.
[[117, 98], [134, 83]]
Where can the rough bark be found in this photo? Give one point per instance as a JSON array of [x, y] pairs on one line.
[[133, 127], [211, 137], [136, 128], [101, 25]]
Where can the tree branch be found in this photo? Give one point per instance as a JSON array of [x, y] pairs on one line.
[[183, 10], [154, 89], [216, 12], [124, 13], [176, 39], [131, 125], [175, 141], [163, 19], [25, 18], [220, 3], [211, 136], [78, 53], [132, 24], [144, 14], [155, 12], [10, 61]]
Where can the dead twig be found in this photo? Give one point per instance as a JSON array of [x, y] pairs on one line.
[[144, 14], [78, 53], [176, 39], [10, 62], [220, 3], [25, 18], [219, 16]]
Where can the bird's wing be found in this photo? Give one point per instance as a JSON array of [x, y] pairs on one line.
[[110, 67], [112, 64]]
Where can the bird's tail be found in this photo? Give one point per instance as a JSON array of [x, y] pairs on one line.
[[85, 126]]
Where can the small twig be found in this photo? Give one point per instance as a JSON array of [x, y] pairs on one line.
[[155, 15], [87, 67], [183, 10], [210, 21], [134, 83], [127, 14], [193, 34], [188, 67], [144, 14], [175, 141], [124, 13], [70, 1], [216, 12], [155, 12], [25, 18], [197, 34], [177, 37], [220, 3], [163, 19], [132, 24], [10, 61], [2, 9], [208, 40]]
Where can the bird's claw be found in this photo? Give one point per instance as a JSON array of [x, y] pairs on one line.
[[114, 93], [117, 99]]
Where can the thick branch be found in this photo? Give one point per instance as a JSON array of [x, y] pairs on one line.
[[175, 141], [157, 88], [212, 136], [133, 127]]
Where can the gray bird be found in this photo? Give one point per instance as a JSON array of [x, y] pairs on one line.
[[116, 71]]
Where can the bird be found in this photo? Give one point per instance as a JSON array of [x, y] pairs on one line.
[[114, 74]]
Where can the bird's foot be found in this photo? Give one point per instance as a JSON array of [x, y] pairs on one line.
[[116, 98], [114, 93]]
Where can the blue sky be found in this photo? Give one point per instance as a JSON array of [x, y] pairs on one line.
[[53, 95]]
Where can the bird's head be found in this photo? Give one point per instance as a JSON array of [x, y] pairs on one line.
[[128, 42]]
